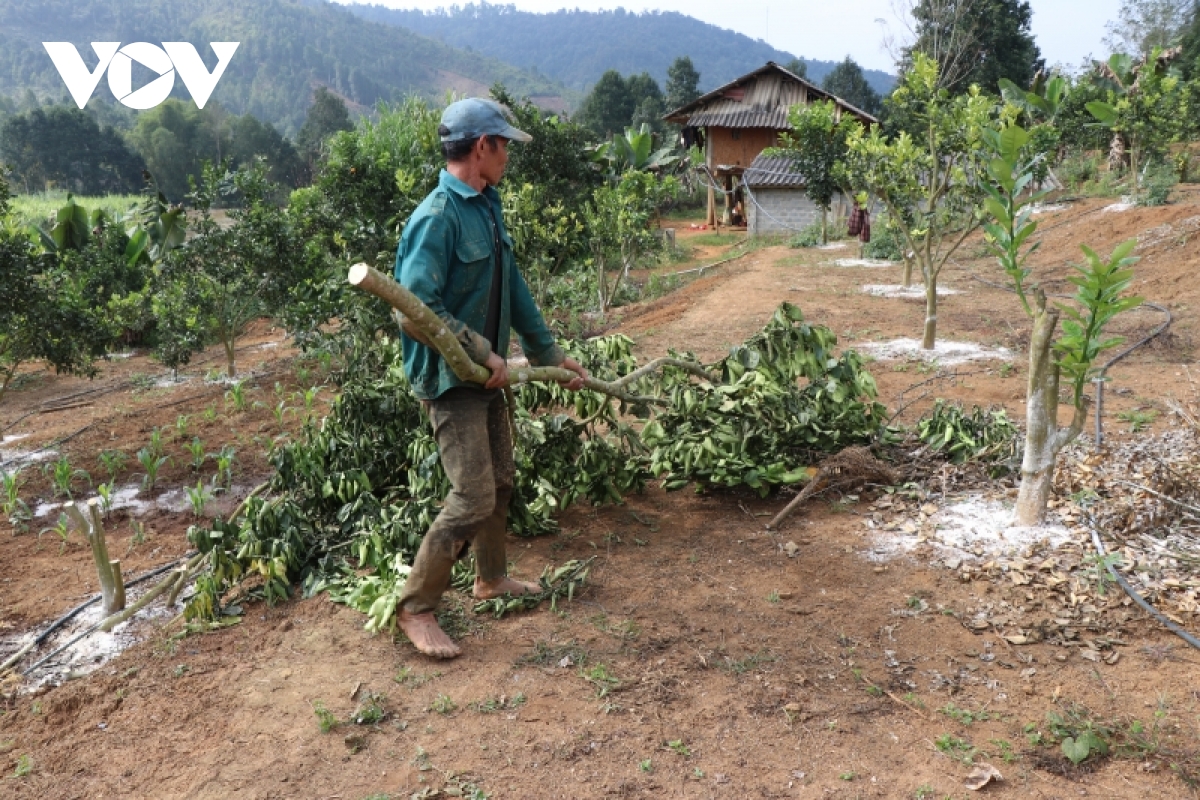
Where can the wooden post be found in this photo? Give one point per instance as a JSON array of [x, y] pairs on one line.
[[727, 215], [711, 217]]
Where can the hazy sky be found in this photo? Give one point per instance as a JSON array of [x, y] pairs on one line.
[[1066, 30]]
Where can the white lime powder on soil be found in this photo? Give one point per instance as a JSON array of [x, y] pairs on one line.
[[975, 528], [904, 292], [944, 353]]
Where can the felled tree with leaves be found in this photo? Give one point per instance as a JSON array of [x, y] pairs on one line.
[[926, 175], [1100, 295]]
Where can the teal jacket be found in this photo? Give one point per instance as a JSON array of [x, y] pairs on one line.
[[446, 259]]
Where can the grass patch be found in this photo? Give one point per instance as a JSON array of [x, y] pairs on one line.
[[545, 654], [956, 748], [370, 709], [490, 705], [714, 239], [1138, 419], [601, 679], [442, 704], [963, 715], [38, 209], [405, 676]]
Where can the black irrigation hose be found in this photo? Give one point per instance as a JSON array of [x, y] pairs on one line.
[[74, 612], [82, 635], [1137, 598], [1156, 332]]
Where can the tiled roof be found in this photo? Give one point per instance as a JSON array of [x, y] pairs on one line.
[[772, 172]]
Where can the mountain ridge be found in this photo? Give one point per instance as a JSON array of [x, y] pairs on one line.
[[554, 44], [288, 48]]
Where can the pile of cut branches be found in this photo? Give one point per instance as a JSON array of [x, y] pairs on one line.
[[352, 496]]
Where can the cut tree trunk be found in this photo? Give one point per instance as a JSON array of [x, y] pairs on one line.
[[112, 586], [439, 336], [1043, 438]]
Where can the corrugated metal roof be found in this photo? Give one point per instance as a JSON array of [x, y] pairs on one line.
[[764, 104], [773, 172], [766, 94]]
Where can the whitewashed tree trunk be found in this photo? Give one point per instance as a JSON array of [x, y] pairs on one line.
[[929, 339], [1043, 438]]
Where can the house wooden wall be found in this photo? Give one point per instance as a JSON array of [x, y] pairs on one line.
[[738, 146]]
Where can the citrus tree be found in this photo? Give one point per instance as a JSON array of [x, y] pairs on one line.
[[48, 306], [619, 234], [223, 279], [816, 146], [927, 174], [1101, 285]]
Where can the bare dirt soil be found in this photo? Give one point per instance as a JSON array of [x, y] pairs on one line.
[[707, 657]]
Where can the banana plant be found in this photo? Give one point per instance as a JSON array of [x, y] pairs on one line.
[[1135, 110], [158, 226], [72, 228], [633, 151], [1041, 101]]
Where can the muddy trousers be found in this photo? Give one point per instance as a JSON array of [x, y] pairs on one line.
[[475, 445]]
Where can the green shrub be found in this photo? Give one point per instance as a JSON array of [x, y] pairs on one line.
[[1157, 184], [1078, 168], [809, 237], [886, 243]]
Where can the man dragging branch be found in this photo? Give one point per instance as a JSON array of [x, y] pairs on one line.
[[457, 258]]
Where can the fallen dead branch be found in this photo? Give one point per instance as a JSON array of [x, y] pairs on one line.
[[849, 469]]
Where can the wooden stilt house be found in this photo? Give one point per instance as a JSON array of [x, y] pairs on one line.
[[736, 122]]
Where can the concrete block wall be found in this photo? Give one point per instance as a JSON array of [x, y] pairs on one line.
[[781, 211]]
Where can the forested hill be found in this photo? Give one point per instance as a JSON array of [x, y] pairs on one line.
[[288, 47], [576, 47]]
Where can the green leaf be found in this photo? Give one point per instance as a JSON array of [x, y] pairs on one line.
[[1075, 749], [998, 211], [1011, 140], [1105, 113]]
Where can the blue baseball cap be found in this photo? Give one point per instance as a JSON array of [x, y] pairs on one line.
[[475, 117]]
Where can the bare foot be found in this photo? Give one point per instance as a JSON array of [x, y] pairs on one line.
[[423, 631], [486, 590]]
